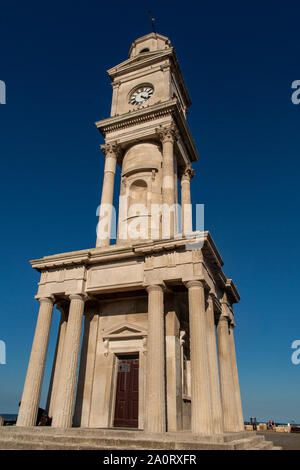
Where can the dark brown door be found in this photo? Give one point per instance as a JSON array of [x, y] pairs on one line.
[[127, 395]]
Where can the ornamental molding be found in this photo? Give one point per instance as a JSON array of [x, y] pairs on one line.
[[132, 118], [124, 331], [137, 61]]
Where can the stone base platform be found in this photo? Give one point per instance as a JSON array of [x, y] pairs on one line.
[[43, 438]]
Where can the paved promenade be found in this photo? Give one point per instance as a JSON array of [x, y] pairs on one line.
[[288, 441]]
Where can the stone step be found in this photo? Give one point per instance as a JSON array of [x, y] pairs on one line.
[[266, 445], [43, 441], [263, 445], [121, 433], [33, 445]]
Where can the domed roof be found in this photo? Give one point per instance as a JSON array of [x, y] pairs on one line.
[[149, 43]]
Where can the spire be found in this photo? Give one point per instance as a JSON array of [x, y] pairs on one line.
[[152, 21]]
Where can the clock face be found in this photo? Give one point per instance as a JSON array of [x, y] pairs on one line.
[[141, 95]]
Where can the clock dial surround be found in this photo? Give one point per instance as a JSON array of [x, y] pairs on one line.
[[141, 94]]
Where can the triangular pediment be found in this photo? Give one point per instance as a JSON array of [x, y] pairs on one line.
[[139, 59], [124, 330]]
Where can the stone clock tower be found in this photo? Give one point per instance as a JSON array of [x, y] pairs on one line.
[[158, 351], [147, 135]]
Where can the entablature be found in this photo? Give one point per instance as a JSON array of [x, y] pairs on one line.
[[113, 128], [120, 268]]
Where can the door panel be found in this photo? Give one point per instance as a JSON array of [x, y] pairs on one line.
[[127, 393]]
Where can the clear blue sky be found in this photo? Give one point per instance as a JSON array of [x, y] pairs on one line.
[[239, 60]]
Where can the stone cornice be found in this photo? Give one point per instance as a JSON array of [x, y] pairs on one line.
[[149, 114], [130, 65], [232, 291], [132, 118]]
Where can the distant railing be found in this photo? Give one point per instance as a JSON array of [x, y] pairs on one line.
[[7, 421]]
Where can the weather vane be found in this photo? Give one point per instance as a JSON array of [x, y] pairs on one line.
[[152, 21]]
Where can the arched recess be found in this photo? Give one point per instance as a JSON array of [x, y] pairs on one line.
[[138, 195]]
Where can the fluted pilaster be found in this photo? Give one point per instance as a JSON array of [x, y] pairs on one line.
[[201, 419], [64, 403], [155, 412], [35, 372], [217, 414]]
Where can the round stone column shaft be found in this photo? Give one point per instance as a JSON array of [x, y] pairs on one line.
[[65, 399], [35, 373], [226, 376], [201, 419], [110, 151], [186, 206], [217, 414], [57, 359], [239, 412], [167, 136], [155, 412]]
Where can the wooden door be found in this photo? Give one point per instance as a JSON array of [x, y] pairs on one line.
[[127, 393]]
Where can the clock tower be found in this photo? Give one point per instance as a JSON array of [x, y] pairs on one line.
[[157, 350], [148, 136]]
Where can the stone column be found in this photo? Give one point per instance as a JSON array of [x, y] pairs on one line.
[[167, 136], [217, 415], [62, 307], [239, 411], [173, 370], [64, 403], [186, 206], [35, 373], [155, 412], [87, 366], [226, 376], [111, 151], [201, 419]]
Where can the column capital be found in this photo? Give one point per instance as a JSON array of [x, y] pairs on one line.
[[223, 319], [111, 149], [167, 134], [82, 297], [116, 83], [226, 309], [47, 298], [155, 287], [196, 283], [187, 173]]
